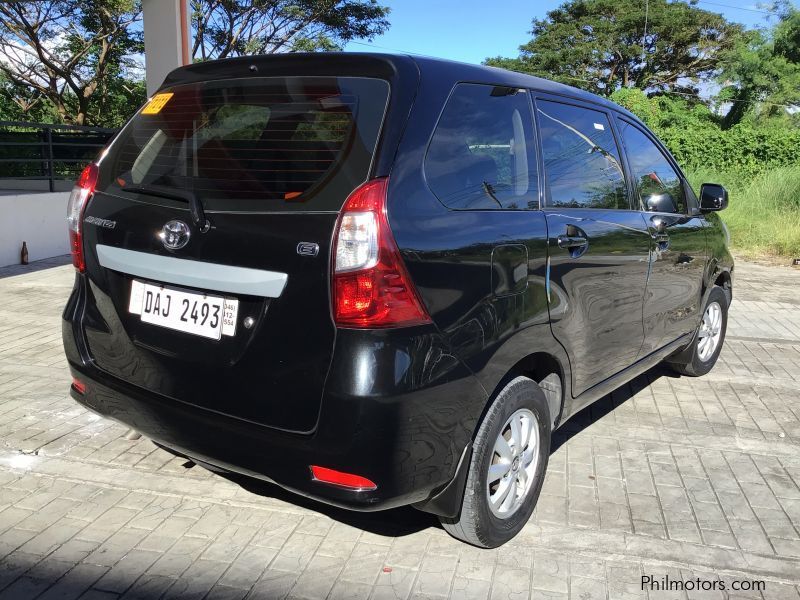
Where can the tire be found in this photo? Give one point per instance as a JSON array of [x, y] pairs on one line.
[[478, 523], [697, 360]]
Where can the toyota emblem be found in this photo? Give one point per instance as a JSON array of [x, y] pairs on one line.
[[175, 235]]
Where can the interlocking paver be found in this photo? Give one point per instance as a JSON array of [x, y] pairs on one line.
[[667, 476]]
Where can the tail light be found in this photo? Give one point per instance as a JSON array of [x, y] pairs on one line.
[[83, 190], [371, 286], [346, 480]]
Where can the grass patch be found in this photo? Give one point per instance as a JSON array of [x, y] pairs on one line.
[[763, 214]]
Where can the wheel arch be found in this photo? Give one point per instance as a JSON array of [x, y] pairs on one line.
[[719, 274], [724, 279], [538, 366]]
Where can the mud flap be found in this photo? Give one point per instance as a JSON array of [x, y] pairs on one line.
[[447, 502]]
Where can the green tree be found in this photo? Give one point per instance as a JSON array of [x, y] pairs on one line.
[[70, 54], [661, 112], [761, 73], [21, 103], [225, 28], [604, 45]]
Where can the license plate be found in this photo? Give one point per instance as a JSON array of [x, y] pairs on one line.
[[197, 314]]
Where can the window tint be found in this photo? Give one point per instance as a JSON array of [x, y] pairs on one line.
[[659, 186], [581, 161], [482, 152], [253, 143]]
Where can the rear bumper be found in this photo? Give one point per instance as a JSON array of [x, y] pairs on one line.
[[409, 465], [407, 434]]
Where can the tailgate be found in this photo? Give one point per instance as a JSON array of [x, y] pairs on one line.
[[271, 161]]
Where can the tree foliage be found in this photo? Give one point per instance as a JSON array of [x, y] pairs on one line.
[[601, 45], [694, 135], [746, 128], [660, 111], [237, 27], [70, 54], [79, 61], [761, 73]]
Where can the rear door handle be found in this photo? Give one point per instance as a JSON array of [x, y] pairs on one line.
[[660, 238], [571, 241], [659, 232]]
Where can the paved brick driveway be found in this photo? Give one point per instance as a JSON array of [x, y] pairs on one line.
[[667, 477]]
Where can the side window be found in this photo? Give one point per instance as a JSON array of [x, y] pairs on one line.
[[581, 161], [659, 186], [481, 155]]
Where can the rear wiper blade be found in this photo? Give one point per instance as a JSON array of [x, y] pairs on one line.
[[195, 205]]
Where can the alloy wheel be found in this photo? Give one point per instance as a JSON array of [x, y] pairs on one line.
[[710, 332], [513, 465]]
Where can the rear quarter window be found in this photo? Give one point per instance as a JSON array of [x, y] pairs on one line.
[[482, 154], [268, 143]]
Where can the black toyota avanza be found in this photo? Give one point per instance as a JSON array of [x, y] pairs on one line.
[[382, 280]]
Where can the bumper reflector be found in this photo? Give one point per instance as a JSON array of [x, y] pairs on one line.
[[78, 386], [346, 480]]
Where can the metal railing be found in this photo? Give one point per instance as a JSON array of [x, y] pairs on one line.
[[40, 152]]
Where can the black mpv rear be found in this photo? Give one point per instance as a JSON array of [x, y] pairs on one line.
[[383, 280]]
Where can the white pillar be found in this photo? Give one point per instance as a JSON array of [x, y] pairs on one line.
[[166, 42]]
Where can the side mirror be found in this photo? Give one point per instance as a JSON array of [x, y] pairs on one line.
[[713, 197]]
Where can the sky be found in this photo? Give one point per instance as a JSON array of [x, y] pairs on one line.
[[473, 30]]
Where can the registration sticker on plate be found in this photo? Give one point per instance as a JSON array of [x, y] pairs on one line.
[[198, 314]]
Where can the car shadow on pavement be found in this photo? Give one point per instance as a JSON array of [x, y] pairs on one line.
[[406, 520], [396, 522], [597, 410]]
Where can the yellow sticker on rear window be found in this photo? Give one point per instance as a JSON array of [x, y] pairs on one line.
[[156, 103]]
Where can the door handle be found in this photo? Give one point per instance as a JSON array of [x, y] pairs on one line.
[[659, 233], [571, 241], [660, 238]]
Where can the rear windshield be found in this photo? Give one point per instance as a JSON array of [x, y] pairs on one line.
[[252, 144]]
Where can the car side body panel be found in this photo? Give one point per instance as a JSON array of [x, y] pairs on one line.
[[501, 317]]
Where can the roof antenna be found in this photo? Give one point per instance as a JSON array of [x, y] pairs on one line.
[[646, 14]]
